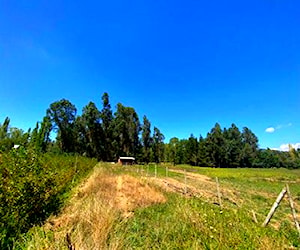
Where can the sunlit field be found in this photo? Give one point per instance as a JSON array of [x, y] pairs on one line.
[[173, 207]]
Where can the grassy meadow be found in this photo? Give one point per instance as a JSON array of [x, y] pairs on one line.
[[172, 207]]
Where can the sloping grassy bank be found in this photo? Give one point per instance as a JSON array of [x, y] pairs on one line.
[[34, 186]]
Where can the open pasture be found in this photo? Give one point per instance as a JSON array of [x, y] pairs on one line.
[[173, 207]]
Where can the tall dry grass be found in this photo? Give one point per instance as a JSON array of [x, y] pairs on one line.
[[86, 223]]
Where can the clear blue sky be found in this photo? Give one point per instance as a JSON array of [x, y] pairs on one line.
[[185, 64]]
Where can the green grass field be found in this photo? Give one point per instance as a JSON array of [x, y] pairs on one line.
[[116, 203]]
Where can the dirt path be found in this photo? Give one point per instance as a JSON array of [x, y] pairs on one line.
[[199, 177], [128, 193], [197, 185]]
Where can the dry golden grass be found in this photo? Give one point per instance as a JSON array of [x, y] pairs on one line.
[[122, 192], [99, 202], [198, 186], [97, 216], [267, 243]]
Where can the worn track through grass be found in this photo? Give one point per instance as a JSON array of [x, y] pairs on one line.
[[198, 185]]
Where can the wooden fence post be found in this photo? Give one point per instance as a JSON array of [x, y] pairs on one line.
[[167, 171], [75, 169], [185, 184], [275, 205], [155, 170], [219, 193], [254, 216], [292, 208]]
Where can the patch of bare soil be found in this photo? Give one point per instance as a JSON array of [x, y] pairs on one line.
[[197, 186], [172, 185], [199, 177], [131, 193]]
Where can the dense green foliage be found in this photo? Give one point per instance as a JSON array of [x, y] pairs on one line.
[[33, 186], [106, 135], [10, 136], [95, 133], [228, 148]]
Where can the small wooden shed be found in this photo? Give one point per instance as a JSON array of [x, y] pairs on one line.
[[126, 160]]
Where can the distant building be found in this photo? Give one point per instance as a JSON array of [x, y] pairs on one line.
[[126, 160]]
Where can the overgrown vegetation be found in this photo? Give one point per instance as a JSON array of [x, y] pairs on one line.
[[37, 172], [105, 213], [106, 135], [33, 186]]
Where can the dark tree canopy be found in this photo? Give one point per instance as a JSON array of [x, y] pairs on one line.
[[62, 114], [100, 134], [107, 135], [107, 127], [158, 145], [216, 145], [146, 139], [93, 130], [228, 147], [127, 129]]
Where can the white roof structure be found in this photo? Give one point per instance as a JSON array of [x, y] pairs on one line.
[[127, 158]]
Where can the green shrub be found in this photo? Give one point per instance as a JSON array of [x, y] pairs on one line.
[[32, 187]]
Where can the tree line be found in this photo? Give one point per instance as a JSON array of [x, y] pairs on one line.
[[222, 147], [107, 135], [101, 134], [228, 147]]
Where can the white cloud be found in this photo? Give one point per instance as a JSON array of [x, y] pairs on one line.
[[286, 147], [270, 130], [273, 129], [296, 145]]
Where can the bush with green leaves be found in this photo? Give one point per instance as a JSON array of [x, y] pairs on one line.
[[32, 187]]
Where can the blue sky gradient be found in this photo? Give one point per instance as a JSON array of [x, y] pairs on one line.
[[185, 64]]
